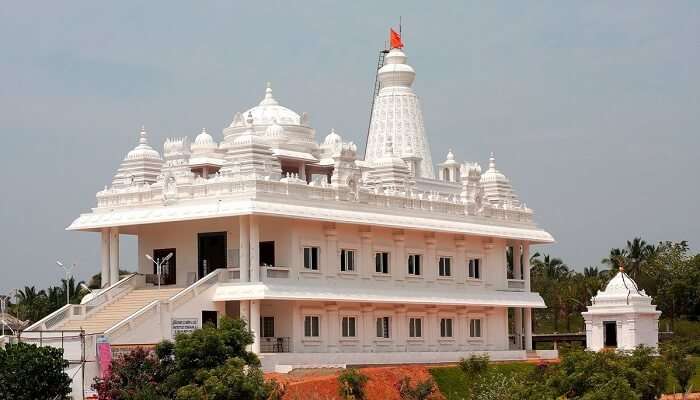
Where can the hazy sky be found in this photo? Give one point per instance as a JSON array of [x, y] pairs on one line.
[[592, 108]]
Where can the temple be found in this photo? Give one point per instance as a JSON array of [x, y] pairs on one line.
[[329, 258]]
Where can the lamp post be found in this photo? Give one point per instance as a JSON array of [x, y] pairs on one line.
[[159, 264], [3, 305], [68, 270]]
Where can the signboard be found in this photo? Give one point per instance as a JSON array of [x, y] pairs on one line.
[[123, 349], [104, 356], [183, 325]]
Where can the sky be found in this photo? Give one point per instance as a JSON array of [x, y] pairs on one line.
[[592, 108]]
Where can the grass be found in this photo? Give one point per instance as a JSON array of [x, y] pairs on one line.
[[454, 384]]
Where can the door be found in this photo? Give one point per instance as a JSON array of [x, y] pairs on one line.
[[168, 270], [211, 252], [610, 332], [210, 317]]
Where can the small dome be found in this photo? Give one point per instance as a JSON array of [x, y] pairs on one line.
[[203, 143], [621, 284], [269, 110], [143, 151], [204, 138], [450, 156], [492, 174], [395, 71], [274, 130], [332, 138]]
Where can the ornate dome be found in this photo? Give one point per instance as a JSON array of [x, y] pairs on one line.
[[143, 151], [450, 159], [492, 174], [203, 143], [269, 111], [332, 138], [395, 71]]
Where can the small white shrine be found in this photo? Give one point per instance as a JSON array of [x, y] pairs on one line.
[[621, 317]]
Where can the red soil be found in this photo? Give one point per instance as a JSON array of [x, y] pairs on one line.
[[323, 384]]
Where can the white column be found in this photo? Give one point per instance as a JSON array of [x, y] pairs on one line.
[[332, 265], [526, 266], [460, 263], [518, 326], [368, 328], [401, 329], [255, 325], [254, 249], [528, 329], [104, 253], [462, 328], [244, 313], [302, 171], [430, 269], [113, 255], [432, 329], [399, 268], [297, 328], [366, 255], [332, 328], [244, 247], [517, 270]]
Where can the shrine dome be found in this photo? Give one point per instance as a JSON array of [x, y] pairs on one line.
[[269, 111], [332, 138], [143, 151]]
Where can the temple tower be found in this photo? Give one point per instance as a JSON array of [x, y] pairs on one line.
[[397, 117]]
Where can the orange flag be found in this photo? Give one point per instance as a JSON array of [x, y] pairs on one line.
[[395, 39]]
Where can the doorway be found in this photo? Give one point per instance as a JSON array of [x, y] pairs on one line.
[[168, 270], [610, 333], [211, 252]]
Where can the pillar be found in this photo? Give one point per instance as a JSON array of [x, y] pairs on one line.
[[462, 328], [332, 264], [528, 329], [401, 329], [113, 255], [254, 249], [517, 268], [399, 268], [368, 328], [332, 328], [432, 329], [366, 266], [430, 268], [526, 266], [461, 266], [244, 248], [255, 325], [104, 253], [518, 326]]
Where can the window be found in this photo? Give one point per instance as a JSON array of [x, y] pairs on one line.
[[381, 262], [445, 266], [415, 327], [475, 328], [267, 325], [311, 257], [446, 327], [348, 327], [475, 268], [267, 253], [414, 264], [311, 326], [347, 260], [383, 327]]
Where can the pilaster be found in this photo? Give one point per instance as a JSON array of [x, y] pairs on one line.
[[331, 257], [254, 248], [430, 269], [332, 327], [366, 267], [399, 270], [460, 263], [244, 247]]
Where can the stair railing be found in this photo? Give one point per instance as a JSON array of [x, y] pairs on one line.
[[196, 288]]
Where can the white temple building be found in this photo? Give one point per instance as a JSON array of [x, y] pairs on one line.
[[621, 317], [331, 259]]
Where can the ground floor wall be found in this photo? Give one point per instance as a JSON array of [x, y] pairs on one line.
[[631, 330]]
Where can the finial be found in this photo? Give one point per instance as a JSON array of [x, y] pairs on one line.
[[143, 139], [492, 161], [268, 91], [204, 130], [621, 269]]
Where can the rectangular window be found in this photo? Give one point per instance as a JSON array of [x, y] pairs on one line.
[[348, 327], [311, 326], [347, 260], [267, 326], [414, 264], [383, 327], [475, 268], [446, 327], [445, 266], [415, 327], [475, 328], [381, 262], [311, 258]]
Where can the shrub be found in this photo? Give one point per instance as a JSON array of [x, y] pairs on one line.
[[30, 372], [352, 384], [681, 366], [474, 365], [421, 391]]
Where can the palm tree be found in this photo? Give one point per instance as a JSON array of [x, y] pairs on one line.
[[31, 303], [635, 257], [548, 274]]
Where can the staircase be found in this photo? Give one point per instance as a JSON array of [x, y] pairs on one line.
[[119, 310]]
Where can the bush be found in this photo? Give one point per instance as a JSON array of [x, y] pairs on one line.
[[421, 391], [352, 384], [30, 372], [682, 368], [474, 365]]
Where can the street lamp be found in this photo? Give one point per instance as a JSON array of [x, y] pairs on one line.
[[68, 270], [3, 305], [159, 264]]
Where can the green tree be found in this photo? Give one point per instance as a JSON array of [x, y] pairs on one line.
[[231, 381], [30, 372]]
